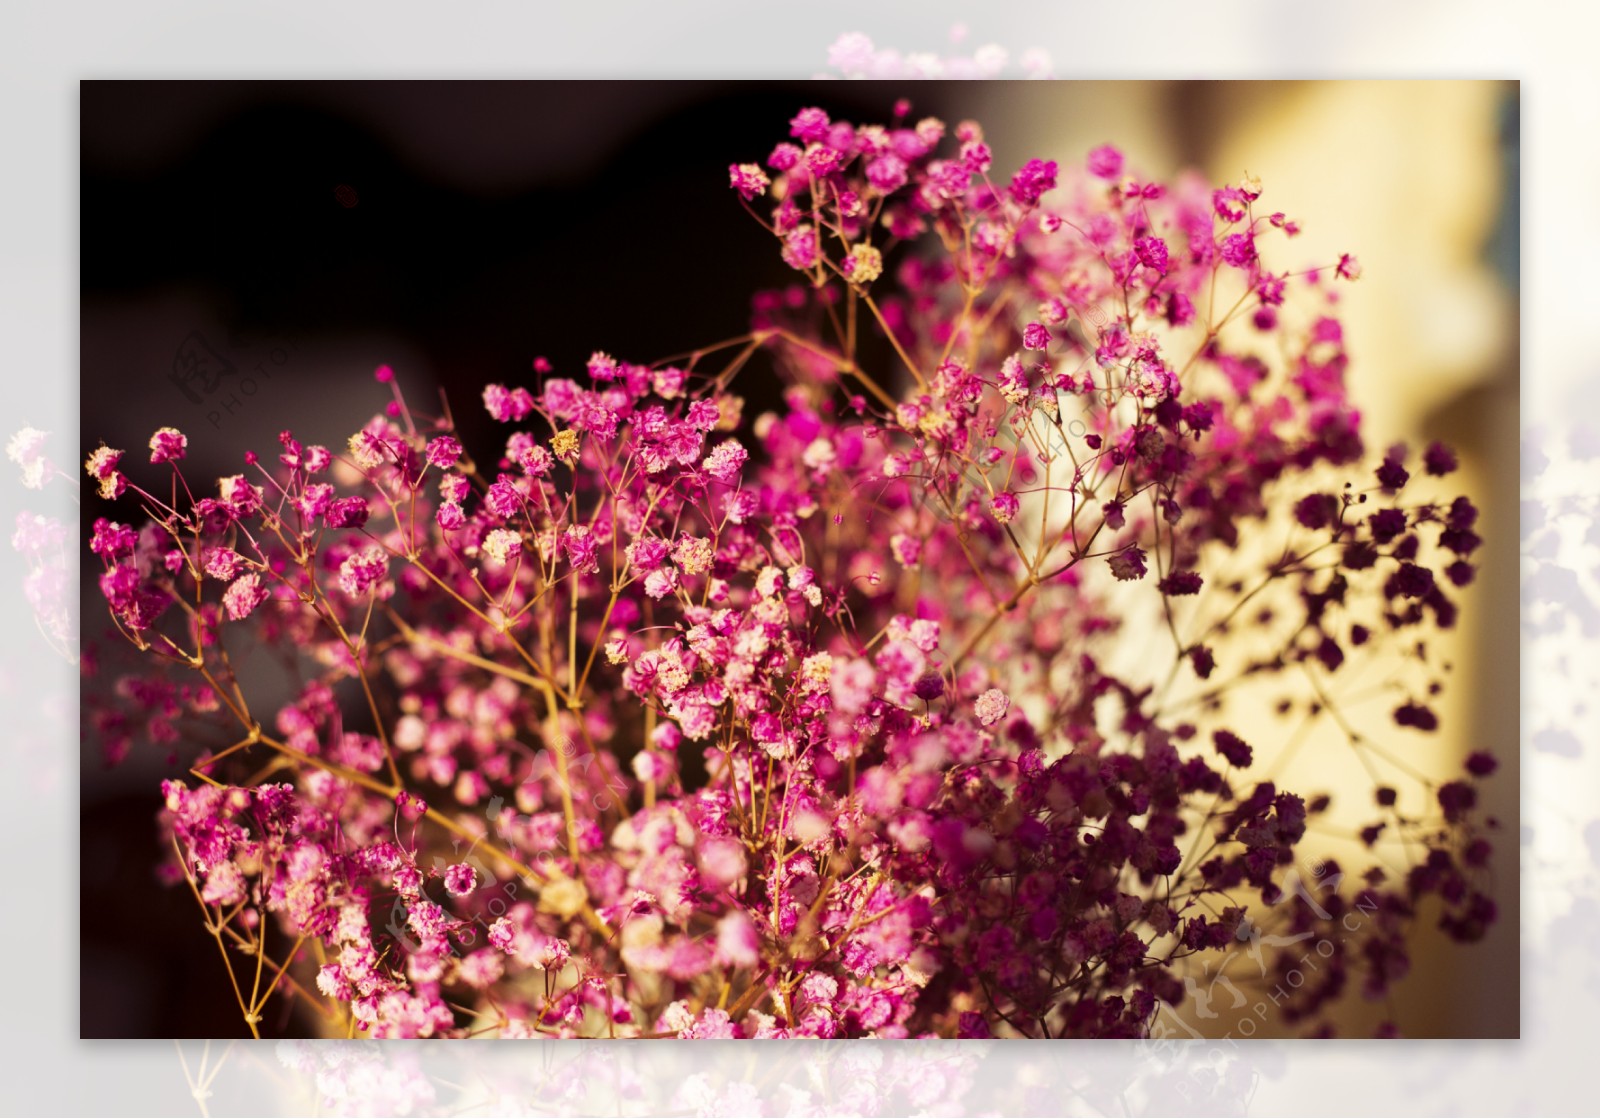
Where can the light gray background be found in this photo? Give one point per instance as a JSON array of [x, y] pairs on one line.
[[45, 48]]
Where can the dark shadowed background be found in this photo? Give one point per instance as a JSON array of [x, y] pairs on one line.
[[251, 252]]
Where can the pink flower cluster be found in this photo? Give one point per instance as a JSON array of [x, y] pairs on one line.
[[47, 546], [666, 719]]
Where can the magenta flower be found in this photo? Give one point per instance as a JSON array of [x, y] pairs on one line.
[[444, 452], [1004, 507], [809, 126], [1239, 250], [725, 462], [102, 463], [243, 595], [991, 707], [168, 445], [361, 573], [834, 707], [738, 944], [1032, 181], [748, 179], [1152, 253], [1129, 563], [1105, 162], [460, 880]]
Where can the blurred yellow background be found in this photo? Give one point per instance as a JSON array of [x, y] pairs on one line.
[[1418, 180]]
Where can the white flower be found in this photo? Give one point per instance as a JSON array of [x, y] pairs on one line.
[[992, 706]]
